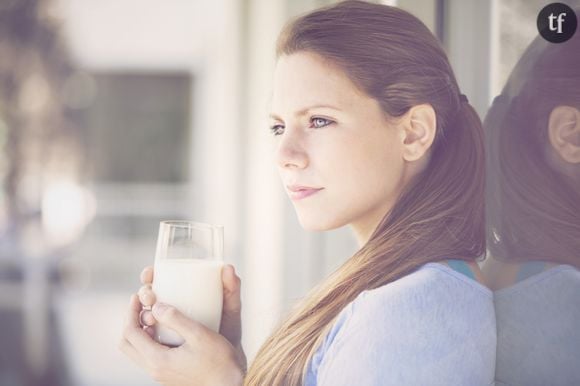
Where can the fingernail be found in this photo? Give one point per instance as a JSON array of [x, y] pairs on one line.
[[159, 309]]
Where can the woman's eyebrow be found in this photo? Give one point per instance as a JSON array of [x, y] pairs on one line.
[[305, 110]]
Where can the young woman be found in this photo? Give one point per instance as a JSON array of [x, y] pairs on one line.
[[533, 216], [371, 131]]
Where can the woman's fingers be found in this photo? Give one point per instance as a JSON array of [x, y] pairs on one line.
[[191, 330], [146, 295], [231, 324], [146, 318], [124, 345], [135, 334], [206, 358], [147, 275], [150, 330]]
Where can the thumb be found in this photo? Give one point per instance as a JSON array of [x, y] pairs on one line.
[[171, 317], [231, 323]]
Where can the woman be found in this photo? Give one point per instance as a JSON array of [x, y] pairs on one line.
[[533, 216], [372, 131]]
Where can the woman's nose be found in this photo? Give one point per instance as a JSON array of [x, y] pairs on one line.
[[291, 152]]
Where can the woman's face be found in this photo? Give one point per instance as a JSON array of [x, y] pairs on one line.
[[331, 136]]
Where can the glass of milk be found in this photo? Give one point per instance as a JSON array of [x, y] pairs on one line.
[[187, 274]]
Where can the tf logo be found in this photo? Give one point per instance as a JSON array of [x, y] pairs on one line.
[[557, 22]]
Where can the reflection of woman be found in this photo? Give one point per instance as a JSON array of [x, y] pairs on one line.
[[533, 205], [370, 130]]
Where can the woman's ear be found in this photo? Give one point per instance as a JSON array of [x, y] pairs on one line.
[[564, 133], [418, 127]]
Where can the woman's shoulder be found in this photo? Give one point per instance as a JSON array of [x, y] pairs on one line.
[[430, 282], [430, 319], [538, 339], [433, 296], [562, 279], [433, 290]]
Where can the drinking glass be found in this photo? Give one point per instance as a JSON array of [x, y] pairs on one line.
[[187, 274]]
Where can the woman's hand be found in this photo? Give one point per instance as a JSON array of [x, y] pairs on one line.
[[231, 321], [206, 358]]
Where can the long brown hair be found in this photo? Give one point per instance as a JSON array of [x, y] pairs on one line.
[[533, 212], [392, 57]]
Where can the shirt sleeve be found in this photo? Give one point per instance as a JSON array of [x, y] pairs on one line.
[[439, 334]]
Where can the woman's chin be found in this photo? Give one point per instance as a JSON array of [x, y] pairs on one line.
[[318, 225]]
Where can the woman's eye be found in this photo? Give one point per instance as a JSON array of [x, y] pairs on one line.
[[316, 122], [320, 122], [275, 129]]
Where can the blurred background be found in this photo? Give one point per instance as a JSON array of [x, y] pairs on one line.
[[117, 114]]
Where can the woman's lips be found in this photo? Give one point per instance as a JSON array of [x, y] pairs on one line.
[[303, 193]]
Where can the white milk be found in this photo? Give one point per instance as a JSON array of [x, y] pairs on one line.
[[194, 286]]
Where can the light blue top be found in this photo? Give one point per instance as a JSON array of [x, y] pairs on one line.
[[538, 329], [435, 326]]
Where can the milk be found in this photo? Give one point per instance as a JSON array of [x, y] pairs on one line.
[[193, 286]]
